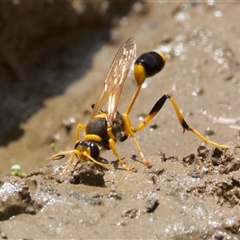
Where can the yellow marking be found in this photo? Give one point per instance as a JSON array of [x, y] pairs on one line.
[[101, 115], [163, 57], [139, 74], [92, 137]]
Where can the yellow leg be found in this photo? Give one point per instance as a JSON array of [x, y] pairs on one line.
[[129, 131], [157, 107], [62, 154], [79, 126], [70, 162], [112, 145], [72, 152], [78, 154], [186, 127], [86, 154]]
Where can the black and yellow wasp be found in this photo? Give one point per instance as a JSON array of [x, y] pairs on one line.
[[106, 127]]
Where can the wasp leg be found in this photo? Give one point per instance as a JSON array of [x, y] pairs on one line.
[[186, 127], [129, 130], [112, 145], [62, 154], [70, 162], [78, 154], [86, 154], [79, 126], [157, 107]]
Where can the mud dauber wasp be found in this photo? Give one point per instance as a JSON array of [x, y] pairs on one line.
[[107, 127]]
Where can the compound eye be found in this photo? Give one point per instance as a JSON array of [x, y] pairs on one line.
[[94, 151]]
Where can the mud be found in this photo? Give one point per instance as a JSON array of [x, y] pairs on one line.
[[192, 191], [176, 198]]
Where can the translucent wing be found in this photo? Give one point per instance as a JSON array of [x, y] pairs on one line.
[[115, 79]]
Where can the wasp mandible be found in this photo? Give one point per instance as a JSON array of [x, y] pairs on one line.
[[106, 127]]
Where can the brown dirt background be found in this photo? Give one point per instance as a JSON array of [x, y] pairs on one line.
[[190, 192]]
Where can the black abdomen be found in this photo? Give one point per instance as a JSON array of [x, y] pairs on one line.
[[152, 63]]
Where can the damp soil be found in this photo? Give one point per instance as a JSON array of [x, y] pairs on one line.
[[192, 190], [195, 197]]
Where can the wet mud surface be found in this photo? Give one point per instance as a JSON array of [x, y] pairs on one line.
[[192, 191], [195, 197]]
